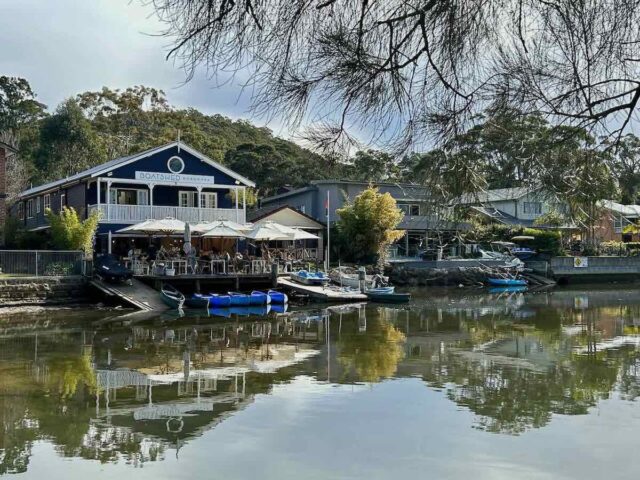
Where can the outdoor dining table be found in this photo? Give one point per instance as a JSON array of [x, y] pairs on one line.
[[179, 264], [220, 263]]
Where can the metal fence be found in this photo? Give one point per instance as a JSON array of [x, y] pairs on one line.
[[42, 263]]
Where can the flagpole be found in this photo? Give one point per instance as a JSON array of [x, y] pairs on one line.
[[328, 233]]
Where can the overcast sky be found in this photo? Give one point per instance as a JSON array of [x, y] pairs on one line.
[[64, 47]]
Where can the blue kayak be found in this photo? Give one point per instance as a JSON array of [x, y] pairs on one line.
[[239, 299], [219, 301], [278, 297], [507, 282], [198, 300], [259, 298]]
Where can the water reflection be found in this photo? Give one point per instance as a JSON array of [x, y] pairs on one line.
[[131, 390]]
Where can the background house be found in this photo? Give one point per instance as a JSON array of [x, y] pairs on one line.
[[423, 221], [172, 180], [514, 206]]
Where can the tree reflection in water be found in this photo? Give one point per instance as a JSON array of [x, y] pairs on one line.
[[514, 368]]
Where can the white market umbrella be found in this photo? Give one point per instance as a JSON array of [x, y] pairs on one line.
[[204, 227], [223, 231], [167, 226], [292, 233], [264, 232]]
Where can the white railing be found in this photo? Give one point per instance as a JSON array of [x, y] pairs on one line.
[[42, 263], [139, 213]]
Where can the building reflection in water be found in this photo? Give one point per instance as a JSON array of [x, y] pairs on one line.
[[124, 390]]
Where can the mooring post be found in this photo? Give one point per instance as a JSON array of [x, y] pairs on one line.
[[362, 276]]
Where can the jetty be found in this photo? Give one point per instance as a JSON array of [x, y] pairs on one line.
[[137, 294], [328, 294]]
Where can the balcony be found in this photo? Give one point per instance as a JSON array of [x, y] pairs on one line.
[[138, 213]]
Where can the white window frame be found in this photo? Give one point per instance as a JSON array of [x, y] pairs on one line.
[[175, 157], [38, 205], [203, 202], [63, 198], [191, 195], [30, 208], [46, 201], [407, 206], [113, 193]]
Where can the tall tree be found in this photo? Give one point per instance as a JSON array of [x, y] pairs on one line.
[[412, 69], [68, 143]]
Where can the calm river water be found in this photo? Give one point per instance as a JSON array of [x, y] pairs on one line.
[[456, 385]]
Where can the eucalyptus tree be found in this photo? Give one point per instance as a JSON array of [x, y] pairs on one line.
[[408, 71]]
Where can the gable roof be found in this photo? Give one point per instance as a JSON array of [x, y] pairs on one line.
[[502, 217], [497, 195], [121, 161], [255, 216], [630, 211]]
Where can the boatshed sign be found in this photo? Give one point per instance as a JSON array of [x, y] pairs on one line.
[[175, 178], [580, 262]]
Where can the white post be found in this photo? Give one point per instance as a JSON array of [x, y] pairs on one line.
[[244, 203], [98, 192], [151, 185], [237, 194], [328, 232], [109, 204], [109, 239], [36, 263], [199, 189]]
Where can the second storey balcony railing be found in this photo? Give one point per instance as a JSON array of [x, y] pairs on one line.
[[137, 213]]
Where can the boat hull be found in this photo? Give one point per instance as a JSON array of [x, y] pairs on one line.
[[507, 282], [259, 298], [172, 297], [389, 297], [279, 298], [220, 301], [197, 301], [239, 299]]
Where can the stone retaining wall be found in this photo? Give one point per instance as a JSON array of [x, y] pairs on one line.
[[42, 290]]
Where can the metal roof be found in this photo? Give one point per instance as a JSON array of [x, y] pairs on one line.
[[631, 211], [502, 217], [117, 162], [497, 195]]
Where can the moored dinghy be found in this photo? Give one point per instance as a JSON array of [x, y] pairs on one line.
[[239, 299], [310, 278], [507, 282], [279, 298], [219, 301], [260, 298], [172, 297]]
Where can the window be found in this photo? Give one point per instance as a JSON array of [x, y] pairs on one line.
[[63, 200], [175, 165], [534, 208], [208, 200], [21, 211], [188, 199], [128, 196], [409, 208], [37, 204], [46, 200], [30, 208]]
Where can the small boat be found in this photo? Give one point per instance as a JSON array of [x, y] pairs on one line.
[[259, 298], [382, 290], [172, 297], [349, 277], [239, 299], [278, 297], [523, 253], [310, 278], [197, 300], [507, 282], [219, 301], [387, 297]]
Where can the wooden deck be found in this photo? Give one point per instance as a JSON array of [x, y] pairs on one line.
[[324, 294], [138, 295]]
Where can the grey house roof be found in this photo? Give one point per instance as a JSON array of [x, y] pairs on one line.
[[502, 217], [497, 195], [111, 164]]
